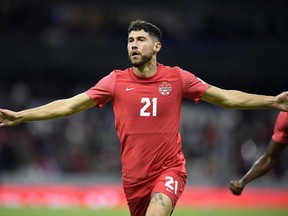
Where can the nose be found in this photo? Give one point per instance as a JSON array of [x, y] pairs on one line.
[[134, 45]]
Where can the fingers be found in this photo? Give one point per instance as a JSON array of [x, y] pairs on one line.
[[282, 100], [6, 118]]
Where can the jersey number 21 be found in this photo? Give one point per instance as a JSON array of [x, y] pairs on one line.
[[147, 103]]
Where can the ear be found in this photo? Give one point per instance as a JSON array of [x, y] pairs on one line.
[[157, 46]]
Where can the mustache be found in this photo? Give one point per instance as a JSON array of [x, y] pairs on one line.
[[134, 52]]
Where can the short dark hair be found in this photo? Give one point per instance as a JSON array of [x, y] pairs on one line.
[[151, 29]]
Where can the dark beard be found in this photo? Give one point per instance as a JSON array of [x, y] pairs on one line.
[[141, 63]]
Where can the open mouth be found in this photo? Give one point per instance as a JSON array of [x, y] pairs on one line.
[[135, 53]]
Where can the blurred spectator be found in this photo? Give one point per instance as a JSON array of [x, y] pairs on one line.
[[46, 45]]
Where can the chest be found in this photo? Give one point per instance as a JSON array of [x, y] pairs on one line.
[[148, 99]]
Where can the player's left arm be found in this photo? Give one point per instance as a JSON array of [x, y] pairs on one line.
[[234, 99]]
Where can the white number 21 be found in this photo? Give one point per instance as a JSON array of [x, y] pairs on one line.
[[147, 103], [171, 184]]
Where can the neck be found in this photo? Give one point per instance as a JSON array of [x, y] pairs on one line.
[[147, 70]]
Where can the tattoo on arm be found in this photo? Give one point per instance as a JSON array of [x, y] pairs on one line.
[[157, 199]]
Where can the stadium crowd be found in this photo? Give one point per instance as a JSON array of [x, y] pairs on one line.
[[224, 143], [45, 47]]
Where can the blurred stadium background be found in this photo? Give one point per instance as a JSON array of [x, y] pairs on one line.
[[55, 49]]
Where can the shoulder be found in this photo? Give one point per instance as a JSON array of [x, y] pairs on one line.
[[121, 73], [176, 70], [280, 134], [169, 72], [163, 67], [113, 76], [283, 115], [282, 120]]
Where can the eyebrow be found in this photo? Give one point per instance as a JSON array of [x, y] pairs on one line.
[[138, 37]]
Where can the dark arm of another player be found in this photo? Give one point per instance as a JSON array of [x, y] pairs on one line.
[[260, 167]]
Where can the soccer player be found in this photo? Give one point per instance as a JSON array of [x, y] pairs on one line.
[[147, 100], [263, 164]]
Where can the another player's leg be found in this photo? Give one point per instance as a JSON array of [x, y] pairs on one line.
[[160, 205]]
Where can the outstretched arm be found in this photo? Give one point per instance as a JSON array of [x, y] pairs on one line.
[[260, 167], [55, 109], [234, 99]]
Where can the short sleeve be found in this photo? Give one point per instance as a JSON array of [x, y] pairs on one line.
[[193, 87], [280, 134], [103, 91]]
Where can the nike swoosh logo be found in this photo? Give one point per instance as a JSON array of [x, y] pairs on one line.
[[129, 89]]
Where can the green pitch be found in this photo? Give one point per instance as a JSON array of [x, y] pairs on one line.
[[124, 212]]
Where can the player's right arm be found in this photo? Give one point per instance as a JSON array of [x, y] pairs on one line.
[[55, 109], [260, 167]]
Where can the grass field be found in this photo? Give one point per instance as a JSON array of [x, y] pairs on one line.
[[124, 212]]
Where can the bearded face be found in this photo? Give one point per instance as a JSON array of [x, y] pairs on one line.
[[141, 48], [137, 59]]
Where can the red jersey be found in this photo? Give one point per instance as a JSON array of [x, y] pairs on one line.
[[147, 117], [281, 128]]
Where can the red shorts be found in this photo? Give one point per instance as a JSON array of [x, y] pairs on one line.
[[170, 183]]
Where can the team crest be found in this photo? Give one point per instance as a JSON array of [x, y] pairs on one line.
[[165, 88]]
